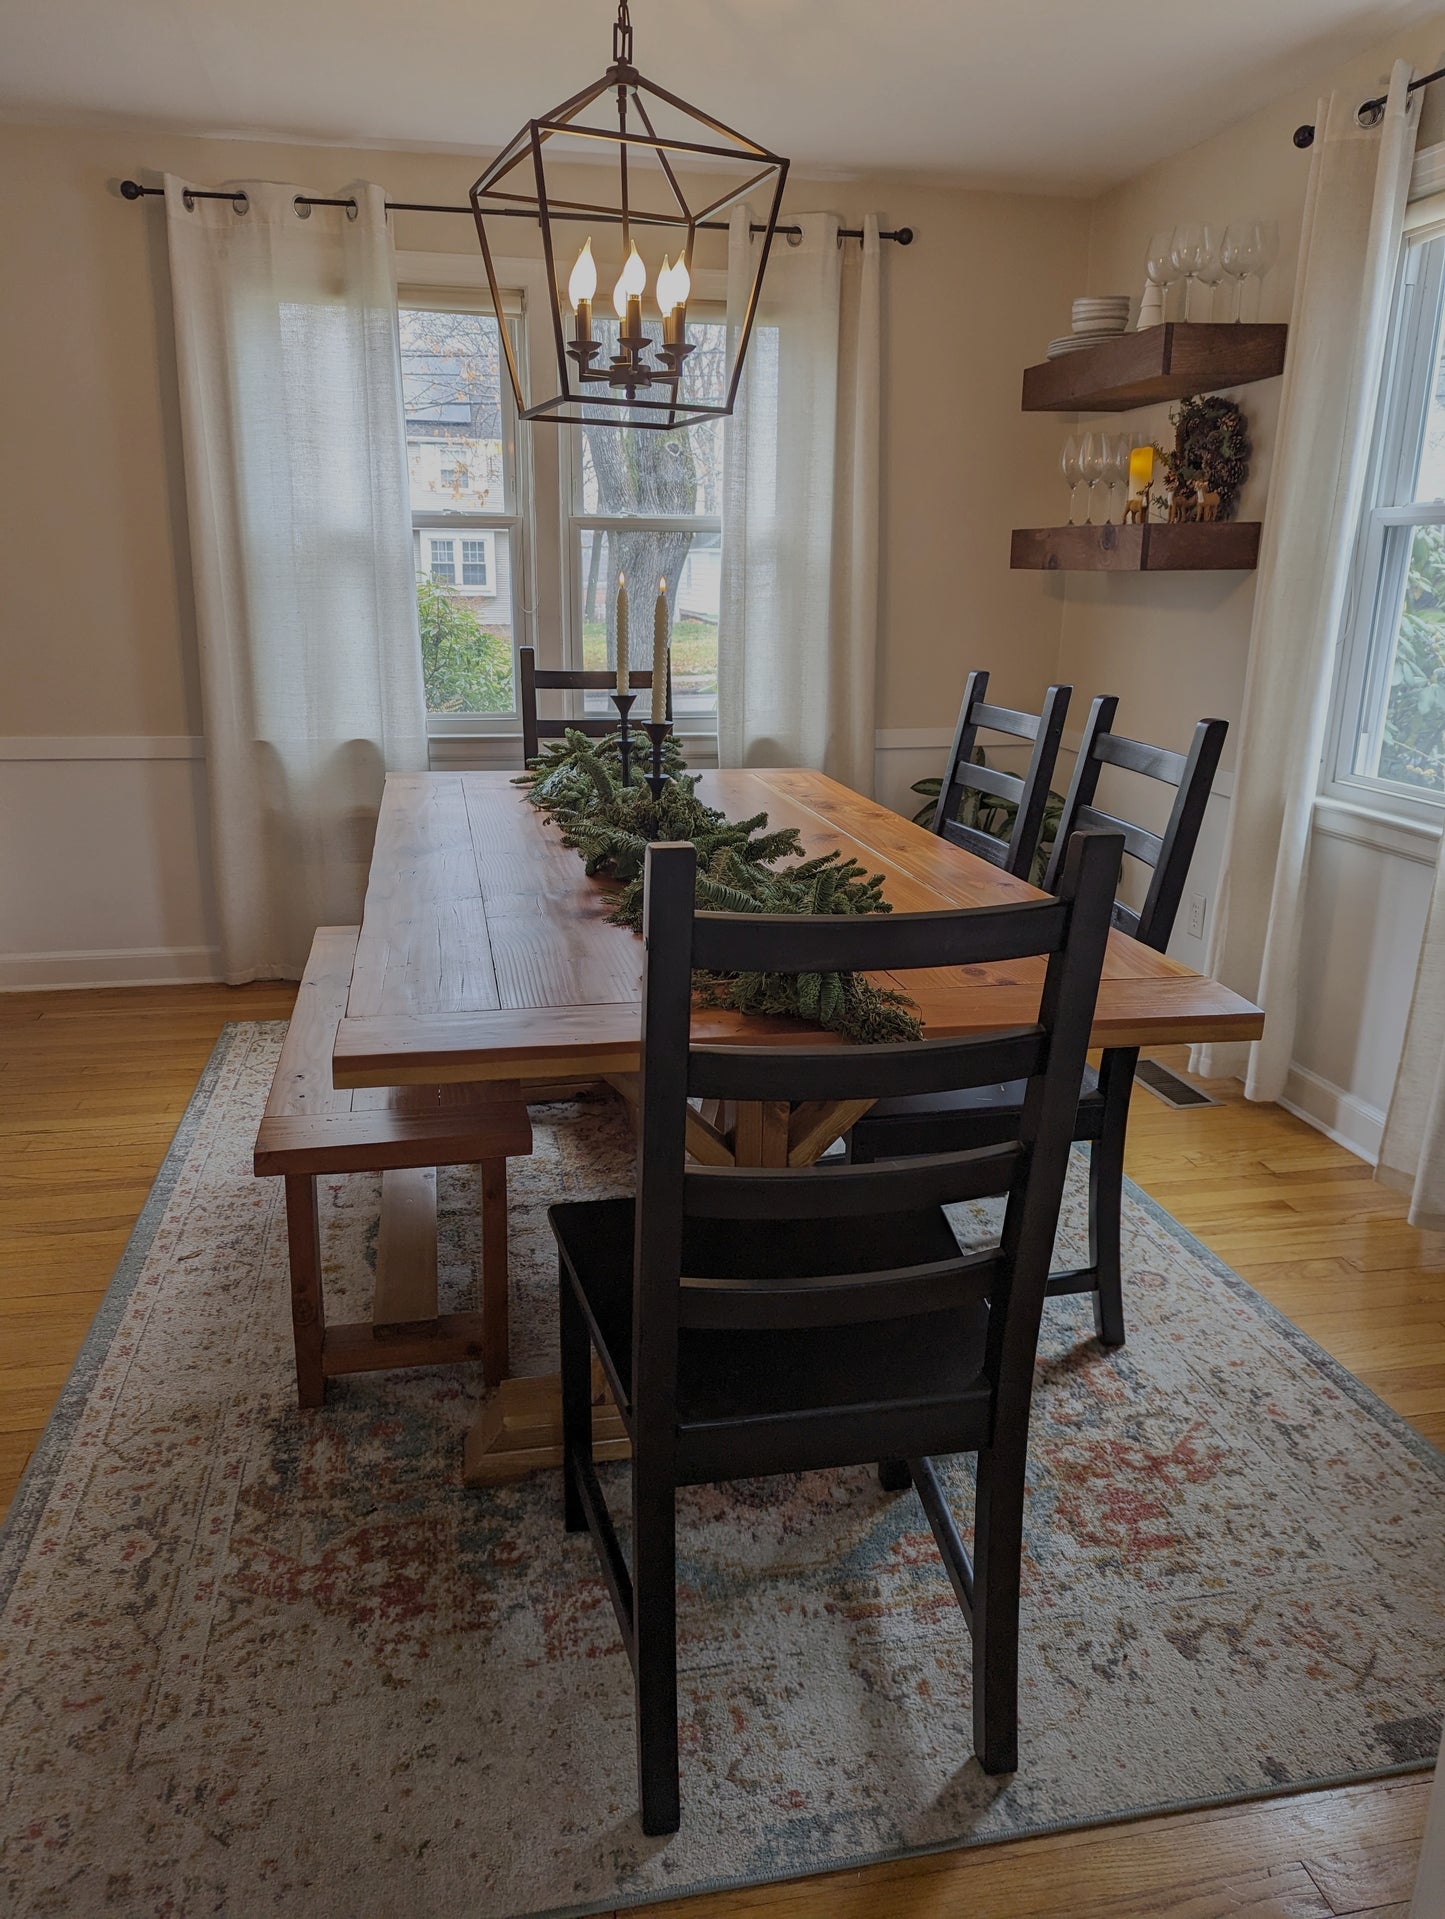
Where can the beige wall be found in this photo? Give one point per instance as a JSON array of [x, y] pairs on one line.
[[1175, 646], [96, 603]]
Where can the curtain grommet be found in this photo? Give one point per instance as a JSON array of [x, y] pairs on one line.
[[1370, 115], [794, 239], [353, 211], [188, 200], [300, 208], [240, 203]]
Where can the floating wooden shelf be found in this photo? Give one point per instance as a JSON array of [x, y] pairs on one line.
[[1189, 546], [1166, 362]]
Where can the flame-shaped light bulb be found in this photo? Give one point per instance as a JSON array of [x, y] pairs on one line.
[[583, 283], [632, 283], [666, 299]]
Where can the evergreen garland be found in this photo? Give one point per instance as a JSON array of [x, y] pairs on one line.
[[578, 784]]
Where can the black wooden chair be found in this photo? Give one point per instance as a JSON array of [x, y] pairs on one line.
[[754, 1321], [1029, 793], [952, 1122], [532, 680]]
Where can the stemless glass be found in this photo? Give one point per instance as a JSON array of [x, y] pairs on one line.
[[1091, 468], [1069, 466], [1159, 266]]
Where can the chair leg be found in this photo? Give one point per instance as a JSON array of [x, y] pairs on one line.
[[496, 1337], [654, 1620], [997, 1563], [894, 1476], [1106, 1202], [308, 1310], [576, 1402]]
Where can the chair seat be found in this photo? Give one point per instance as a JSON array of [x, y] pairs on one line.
[[954, 1122], [786, 1401]]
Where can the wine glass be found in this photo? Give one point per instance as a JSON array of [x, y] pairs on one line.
[[1194, 251], [1120, 447], [1159, 267], [1091, 469], [1247, 252], [1069, 465]]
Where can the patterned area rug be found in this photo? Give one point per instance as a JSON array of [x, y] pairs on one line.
[[258, 1661]]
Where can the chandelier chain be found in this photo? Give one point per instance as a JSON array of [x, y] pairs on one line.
[[622, 36]]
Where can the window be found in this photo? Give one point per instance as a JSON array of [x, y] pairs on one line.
[[649, 504], [1388, 731], [469, 517]]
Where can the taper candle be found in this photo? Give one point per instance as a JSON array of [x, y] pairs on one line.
[[622, 646], [659, 653]]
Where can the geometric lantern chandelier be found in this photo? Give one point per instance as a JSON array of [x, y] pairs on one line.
[[631, 226]]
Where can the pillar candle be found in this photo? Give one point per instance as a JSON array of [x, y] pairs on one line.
[[659, 653], [1141, 469], [622, 648]]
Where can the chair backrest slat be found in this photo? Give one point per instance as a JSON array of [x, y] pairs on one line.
[[842, 1191], [532, 679], [1029, 792], [795, 943], [838, 1071], [1169, 853], [1068, 933], [742, 1305]]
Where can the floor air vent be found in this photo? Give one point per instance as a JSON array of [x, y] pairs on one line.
[[1169, 1087]]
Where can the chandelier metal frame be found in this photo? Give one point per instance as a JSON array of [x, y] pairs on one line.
[[621, 387]]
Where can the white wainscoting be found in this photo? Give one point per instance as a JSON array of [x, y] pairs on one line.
[[104, 862]]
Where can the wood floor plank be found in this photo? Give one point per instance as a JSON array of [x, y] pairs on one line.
[[1364, 1878]]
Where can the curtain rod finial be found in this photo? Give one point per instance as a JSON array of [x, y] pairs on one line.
[[131, 190]]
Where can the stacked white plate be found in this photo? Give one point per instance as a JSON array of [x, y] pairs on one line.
[[1096, 318]]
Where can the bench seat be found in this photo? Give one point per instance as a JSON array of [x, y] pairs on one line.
[[404, 1132]]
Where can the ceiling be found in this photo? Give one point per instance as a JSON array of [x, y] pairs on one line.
[[1064, 95]]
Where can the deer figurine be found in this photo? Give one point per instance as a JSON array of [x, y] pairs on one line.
[[1136, 509], [1206, 505]]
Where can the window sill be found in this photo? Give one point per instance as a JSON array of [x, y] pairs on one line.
[[1381, 831]]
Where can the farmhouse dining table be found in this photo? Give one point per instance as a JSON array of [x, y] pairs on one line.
[[486, 954]]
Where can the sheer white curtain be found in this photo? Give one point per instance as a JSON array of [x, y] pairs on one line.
[[1354, 212], [296, 488], [798, 631]]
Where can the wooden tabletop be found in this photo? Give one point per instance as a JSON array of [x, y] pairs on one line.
[[485, 951]]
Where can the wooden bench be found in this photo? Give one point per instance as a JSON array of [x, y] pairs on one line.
[[405, 1133]]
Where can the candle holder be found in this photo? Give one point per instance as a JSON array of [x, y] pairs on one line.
[[624, 702], [657, 731]]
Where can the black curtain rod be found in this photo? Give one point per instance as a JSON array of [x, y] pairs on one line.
[[133, 190], [1305, 136]]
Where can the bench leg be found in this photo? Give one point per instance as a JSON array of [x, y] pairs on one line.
[[308, 1312], [496, 1337]]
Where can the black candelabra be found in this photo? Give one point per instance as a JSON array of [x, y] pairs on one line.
[[624, 702], [657, 731]]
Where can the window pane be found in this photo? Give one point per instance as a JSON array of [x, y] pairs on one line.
[[467, 648], [1411, 746], [626, 472], [451, 377], [690, 563]]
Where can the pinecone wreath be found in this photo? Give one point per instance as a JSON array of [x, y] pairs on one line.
[[1211, 448]]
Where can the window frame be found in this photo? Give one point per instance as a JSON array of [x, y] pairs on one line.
[[457, 281], [1388, 515]]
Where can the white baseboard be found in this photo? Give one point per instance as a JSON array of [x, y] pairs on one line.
[[1350, 1122], [125, 966]]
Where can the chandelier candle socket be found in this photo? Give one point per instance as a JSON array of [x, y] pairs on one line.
[[659, 653], [646, 142], [623, 649]]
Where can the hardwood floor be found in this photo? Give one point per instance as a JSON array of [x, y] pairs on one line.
[[91, 1088]]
